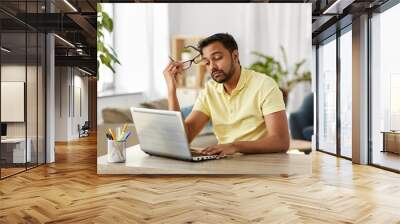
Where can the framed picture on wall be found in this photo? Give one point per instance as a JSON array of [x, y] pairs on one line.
[[12, 101]]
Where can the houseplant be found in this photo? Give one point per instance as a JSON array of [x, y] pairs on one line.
[[281, 74], [105, 53]]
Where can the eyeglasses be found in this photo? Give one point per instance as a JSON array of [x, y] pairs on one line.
[[187, 64]]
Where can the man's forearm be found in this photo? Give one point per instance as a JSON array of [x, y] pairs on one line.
[[267, 144], [173, 103]]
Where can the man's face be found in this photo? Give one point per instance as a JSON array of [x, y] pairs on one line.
[[219, 61]]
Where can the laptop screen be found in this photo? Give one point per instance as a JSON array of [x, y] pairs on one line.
[[3, 129]]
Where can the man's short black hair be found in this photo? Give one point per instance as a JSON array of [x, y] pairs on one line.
[[224, 38]]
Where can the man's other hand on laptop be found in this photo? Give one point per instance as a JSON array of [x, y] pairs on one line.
[[221, 150]]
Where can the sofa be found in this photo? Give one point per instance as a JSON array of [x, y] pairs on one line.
[[301, 122]]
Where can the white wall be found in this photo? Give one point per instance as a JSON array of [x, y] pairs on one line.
[[14, 73], [67, 115], [61, 103], [11, 73], [50, 95], [80, 83]]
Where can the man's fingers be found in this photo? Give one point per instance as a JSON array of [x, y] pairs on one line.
[[175, 71], [207, 150], [204, 151], [179, 67], [169, 66], [214, 151], [172, 70], [221, 154], [175, 68]]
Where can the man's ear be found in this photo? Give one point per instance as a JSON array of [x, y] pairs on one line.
[[236, 55]]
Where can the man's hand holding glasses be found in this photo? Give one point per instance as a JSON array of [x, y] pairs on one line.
[[175, 67], [170, 73]]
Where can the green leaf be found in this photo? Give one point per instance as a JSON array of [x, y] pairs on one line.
[[113, 55], [259, 54], [106, 55], [100, 34], [99, 7], [297, 67], [107, 22], [273, 68], [107, 62], [104, 59], [100, 46]]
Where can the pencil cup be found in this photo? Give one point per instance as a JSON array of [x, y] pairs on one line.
[[116, 151]]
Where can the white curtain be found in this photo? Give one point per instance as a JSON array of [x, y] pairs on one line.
[[141, 40]]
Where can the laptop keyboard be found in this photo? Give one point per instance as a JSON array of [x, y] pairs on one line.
[[196, 156]]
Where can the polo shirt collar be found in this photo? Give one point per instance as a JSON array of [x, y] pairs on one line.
[[241, 83]]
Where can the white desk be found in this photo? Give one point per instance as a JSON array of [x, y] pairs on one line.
[[18, 149], [138, 162]]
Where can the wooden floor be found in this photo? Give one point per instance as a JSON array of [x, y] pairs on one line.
[[387, 159], [70, 191], [10, 171]]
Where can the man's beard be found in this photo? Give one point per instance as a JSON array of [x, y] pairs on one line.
[[223, 76]]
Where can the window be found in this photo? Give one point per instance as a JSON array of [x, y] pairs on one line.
[[385, 85], [141, 41], [346, 94], [22, 74], [327, 96]]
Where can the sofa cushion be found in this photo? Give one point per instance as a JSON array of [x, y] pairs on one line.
[[206, 130], [308, 132], [302, 118], [161, 104], [117, 115]]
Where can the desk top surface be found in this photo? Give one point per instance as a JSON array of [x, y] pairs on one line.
[[138, 162], [391, 132]]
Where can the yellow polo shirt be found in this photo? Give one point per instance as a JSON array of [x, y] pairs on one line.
[[240, 115]]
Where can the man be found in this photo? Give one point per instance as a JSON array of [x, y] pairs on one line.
[[246, 108]]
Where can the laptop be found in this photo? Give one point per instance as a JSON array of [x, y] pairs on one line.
[[162, 133]]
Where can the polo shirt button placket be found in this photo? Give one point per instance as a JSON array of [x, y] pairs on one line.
[[230, 105]]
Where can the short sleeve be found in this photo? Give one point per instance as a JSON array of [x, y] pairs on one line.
[[272, 101], [201, 103]]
